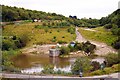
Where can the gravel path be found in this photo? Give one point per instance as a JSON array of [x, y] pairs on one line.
[[102, 48], [8, 75]]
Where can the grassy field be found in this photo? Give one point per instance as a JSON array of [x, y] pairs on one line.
[[99, 34], [39, 36]]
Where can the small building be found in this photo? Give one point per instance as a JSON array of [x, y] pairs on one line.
[[36, 20], [54, 52]]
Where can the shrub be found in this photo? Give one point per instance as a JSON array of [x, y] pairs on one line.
[[46, 29], [116, 45], [112, 58], [108, 70], [108, 26], [78, 46], [8, 44], [48, 69], [54, 37], [98, 72], [58, 30], [63, 36], [24, 40], [81, 64], [65, 50], [88, 47], [53, 40], [14, 38], [96, 65], [61, 42], [71, 30], [72, 49]]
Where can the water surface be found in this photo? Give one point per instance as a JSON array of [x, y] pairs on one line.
[[30, 63]]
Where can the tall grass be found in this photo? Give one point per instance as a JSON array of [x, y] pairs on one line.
[[39, 36], [100, 34]]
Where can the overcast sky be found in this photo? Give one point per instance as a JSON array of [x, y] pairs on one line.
[[80, 8]]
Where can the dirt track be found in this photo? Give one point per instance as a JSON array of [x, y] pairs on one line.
[[102, 48]]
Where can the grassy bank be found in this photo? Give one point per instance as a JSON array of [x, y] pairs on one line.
[[100, 34], [7, 63], [39, 35], [107, 70]]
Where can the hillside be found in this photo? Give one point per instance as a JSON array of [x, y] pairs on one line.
[[15, 13], [112, 22], [113, 18]]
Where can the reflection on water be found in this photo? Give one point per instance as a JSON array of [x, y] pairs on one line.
[[39, 68], [35, 63]]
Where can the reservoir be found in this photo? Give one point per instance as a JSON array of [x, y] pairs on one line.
[[31, 63]]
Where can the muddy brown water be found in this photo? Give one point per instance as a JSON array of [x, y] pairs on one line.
[[31, 63]]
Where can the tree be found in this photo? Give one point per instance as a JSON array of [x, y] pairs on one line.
[[83, 64], [8, 44], [23, 40], [88, 47]]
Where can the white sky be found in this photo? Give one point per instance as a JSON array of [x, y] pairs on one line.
[[80, 8]]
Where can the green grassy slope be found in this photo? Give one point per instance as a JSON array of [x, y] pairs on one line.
[[39, 36], [100, 34]]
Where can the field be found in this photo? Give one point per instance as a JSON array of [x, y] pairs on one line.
[[39, 36], [98, 34]]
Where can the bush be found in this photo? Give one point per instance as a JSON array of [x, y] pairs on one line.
[[8, 44], [72, 49], [46, 29], [71, 30], [98, 72], [82, 64], [48, 69], [63, 36], [112, 58], [88, 47], [65, 50], [78, 46], [108, 26], [24, 40], [108, 70], [116, 45], [96, 65], [6, 58]]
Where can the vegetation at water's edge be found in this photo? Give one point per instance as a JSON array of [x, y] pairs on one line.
[[87, 47], [110, 65], [7, 64], [88, 68]]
